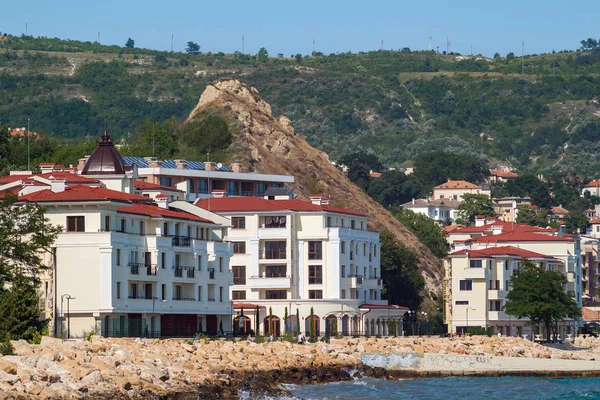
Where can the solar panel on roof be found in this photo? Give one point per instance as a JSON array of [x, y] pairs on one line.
[[195, 165]]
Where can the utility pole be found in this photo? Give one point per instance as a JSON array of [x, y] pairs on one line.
[[523, 58], [26, 27], [471, 50], [313, 47], [381, 44], [242, 45], [429, 43], [28, 148], [447, 45], [172, 42], [98, 37]]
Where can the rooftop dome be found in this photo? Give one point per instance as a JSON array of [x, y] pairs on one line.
[[105, 160]]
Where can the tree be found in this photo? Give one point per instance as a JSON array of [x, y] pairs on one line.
[[575, 221], [298, 58], [361, 157], [263, 55], [130, 44], [400, 273], [207, 134], [437, 167], [25, 234], [192, 48], [474, 205], [428, 232], [532, 216], [153, 138], [359, 174], [538, 294], [530, 186], [589, 44], [393, 188]]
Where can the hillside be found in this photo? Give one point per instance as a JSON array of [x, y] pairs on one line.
[[270, 145], [396, 104]]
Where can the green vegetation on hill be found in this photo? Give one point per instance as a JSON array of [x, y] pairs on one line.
[[396, 104]]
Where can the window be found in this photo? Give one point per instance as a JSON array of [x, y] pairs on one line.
[[461, 302], [118, 257], [273, 221], [178, 292], [315, 274], [315, 250], [163, 291], [505, 285], [76, 224], [133, 292], [148, 291], [239, 274], [221, 294], [275, 250], [506, 265], [475, 263], [343, 271], [123, 225], [220, 264], [494, 285], [275, 271], [238, 222], [142, 228], [165, 180], [495, 305], [202, 186], [343, 294], [275, 294], [352, 224], [343, 247], [199, 293], [165, 231], [239, 247], [315, 294], [107, 223], [466, 284], [238, 295], [375, 251], [118, 290], [163, 260], [199, 263]]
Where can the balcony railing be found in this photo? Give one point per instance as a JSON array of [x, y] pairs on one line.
[[211, 273], [137, 297], [239, 281], [273, 254], [247, 193], [184, 299], [151, 269], [211, 300], [178, 272], [359, 278], [181, 241]]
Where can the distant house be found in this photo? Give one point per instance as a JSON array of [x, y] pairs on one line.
[[22, 132], [593, 188], [441, 211], [455, 190], [501, 175], [558, 214], [507, 208]]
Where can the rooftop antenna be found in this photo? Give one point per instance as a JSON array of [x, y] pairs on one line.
[[28, 151], [313, 46], [523, 58], [26, 27], [430, 43], [242, 45], [172, 35], [381, 44], [447, 45], [471, 50], [98, 37]]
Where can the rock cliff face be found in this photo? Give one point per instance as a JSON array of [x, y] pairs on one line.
[[267, 144]]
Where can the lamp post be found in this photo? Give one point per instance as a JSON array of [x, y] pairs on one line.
[[152, 318], [68, 297], [468, 308], [424, 315]]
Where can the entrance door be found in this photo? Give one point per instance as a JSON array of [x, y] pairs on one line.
[[211, 324]]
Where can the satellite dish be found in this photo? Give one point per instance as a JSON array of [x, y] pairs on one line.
[[219, 165]]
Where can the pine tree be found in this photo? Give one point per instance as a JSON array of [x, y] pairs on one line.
[[19, 311]]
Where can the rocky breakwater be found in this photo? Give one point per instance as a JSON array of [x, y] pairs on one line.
[[151, 368]]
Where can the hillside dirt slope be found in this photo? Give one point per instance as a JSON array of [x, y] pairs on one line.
[[266, 144]]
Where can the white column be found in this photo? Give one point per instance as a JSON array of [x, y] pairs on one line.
[[333, 272], [106, 280], [302, 273]]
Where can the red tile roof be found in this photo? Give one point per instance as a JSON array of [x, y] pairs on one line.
[[68, 177], [520, 236], [12, 178], [504, 251], [505, 227], [155, 211], [142, 185], [458, 185], [503, 174], [83, 193], [242, 204], [593, 183], [559, 210]]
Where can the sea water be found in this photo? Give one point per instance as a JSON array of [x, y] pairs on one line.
[[462, 388]]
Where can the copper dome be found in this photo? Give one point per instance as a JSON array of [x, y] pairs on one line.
[[105, 160]]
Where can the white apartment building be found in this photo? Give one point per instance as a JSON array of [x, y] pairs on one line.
[[455, 190], [291, 256], [442, 211], [477, 275]]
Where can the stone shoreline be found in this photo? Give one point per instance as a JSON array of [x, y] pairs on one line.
[[151, 368]]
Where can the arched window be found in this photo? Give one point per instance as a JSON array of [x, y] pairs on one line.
[[316, 322], [345, 325], [291, 325], [241, 325], [272, 325], [331, 325]]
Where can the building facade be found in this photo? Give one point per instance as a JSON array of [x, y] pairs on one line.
[[455, 190]]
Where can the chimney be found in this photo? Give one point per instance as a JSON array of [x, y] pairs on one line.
[[153, 162], [316, 199], [326, 201], [219, 193], [163, 200], [81, 163], [479, 220], [181, 164], [57, 185], [46, 167], [236, 167], [413, 201], [208, 166]]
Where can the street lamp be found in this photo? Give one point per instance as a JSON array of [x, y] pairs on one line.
[[468, 308], [68, 297], [424, 315], [153, 300]]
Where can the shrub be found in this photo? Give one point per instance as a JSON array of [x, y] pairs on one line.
[[479, 330], [259, 339], [313, 339], [7, 349]]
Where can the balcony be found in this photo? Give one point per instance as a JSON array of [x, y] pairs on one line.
[[149, 269], [184, 299], [181, 241], [180, 272], [353, 281], [266, 282], [273, 254], [474, 273], [211, 273]]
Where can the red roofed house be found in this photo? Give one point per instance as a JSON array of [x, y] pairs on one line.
[[593, 188], [501, 175], [478, 271], [456, 189], [131, 266], [305, 255]]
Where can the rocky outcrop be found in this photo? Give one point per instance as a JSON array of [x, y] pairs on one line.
[[133, 368], [266, 144]]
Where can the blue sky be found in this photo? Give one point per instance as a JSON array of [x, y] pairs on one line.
[[289, 27]]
